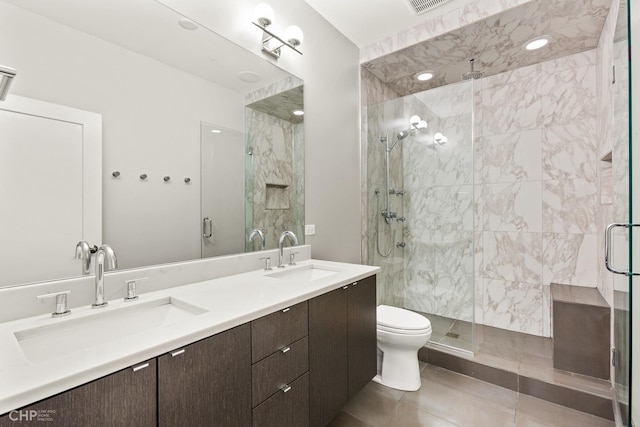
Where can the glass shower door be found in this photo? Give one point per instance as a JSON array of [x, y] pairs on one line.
[[618, 234]]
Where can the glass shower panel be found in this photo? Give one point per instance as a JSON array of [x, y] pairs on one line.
[[426, 249], [438, 174], [620, 180]]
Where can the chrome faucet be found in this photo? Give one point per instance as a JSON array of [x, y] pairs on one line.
[[83, 253], [105, 260], [257, 232], [283, 236]]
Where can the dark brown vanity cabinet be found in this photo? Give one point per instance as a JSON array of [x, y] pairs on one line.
[[207, 383], [280, 379], [342, 347], [292, 368], [125, 398]]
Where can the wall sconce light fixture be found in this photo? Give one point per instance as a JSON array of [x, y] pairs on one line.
[[6, 77], [417, 123], [440, 139], [272, 43]]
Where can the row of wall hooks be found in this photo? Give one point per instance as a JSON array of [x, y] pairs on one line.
[[144, 176]]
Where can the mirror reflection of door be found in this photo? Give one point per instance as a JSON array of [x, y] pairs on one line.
[[222, 190], [49, 174]]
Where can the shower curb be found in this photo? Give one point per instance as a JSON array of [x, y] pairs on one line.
[[594, 402]]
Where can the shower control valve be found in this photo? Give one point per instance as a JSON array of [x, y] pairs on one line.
[[401, 244], [401, 219]]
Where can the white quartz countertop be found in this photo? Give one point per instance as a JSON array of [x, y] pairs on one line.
[[225, 303]]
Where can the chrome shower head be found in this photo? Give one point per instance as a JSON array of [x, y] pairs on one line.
[[402, 134], [472, 74]]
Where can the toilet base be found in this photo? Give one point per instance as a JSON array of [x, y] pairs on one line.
[[400, 370]]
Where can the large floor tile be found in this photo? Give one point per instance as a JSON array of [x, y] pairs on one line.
[[458, 407], [533, 412], [345, 420], [409, 416], [374, 404]]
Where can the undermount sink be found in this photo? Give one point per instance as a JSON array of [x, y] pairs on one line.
[[75, 334], [307, 273]]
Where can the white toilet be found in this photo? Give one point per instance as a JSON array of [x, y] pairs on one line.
[[401, 333]]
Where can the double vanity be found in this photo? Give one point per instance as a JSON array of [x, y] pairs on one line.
[[287, 346]]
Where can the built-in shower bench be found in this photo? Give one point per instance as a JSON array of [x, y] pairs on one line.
[[581, 325]]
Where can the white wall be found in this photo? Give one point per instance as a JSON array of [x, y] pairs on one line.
[[146, 222], [329, 68]]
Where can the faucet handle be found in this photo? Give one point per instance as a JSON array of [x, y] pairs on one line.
[[267, 263], [131, 288], [61, 303], [292, 256]]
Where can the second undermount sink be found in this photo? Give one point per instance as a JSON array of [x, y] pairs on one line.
[[76, 334], [307, 273]]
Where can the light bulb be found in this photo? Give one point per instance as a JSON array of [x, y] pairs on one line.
[[422, 124], [263, 13], [294, 35], [414, 120]]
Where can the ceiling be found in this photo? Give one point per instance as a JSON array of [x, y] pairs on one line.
[[368, 21], [151, 29], [496, 43]]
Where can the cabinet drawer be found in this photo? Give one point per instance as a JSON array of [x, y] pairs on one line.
[[272, 373], [276, 330], [290, 409]]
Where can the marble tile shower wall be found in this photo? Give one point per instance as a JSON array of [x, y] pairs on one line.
[[536, 189], [385, 120], [468, 12], [276, 180], [390, 284], [526, 217]]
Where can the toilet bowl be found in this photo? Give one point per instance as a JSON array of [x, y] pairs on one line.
[[400, 333]]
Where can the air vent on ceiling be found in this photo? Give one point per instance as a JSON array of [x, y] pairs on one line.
[[422, 6]]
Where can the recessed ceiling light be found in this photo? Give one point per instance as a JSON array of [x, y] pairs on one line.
[[424, 76], [248, 76], [537, 43], [187, 24], [298, 113], [216, 131]]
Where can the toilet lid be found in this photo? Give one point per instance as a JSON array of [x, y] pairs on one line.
[[401, 319]]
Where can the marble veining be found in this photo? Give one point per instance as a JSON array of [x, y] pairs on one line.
[[507, 206], [487, 33]]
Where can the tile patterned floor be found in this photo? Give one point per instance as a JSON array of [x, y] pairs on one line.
[[449, 399]]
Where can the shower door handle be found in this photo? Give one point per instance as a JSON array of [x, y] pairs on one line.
[[607, 249], [207, 225]]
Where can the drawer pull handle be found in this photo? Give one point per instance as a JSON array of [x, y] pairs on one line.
[[286, 309], [286, 388], [140, 367], [177, 353], [354, 283], [345, 287], [284, 350]]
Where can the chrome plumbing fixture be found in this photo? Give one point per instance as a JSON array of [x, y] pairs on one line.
[[401, 245], [131, 288], [401, 219], [294, 240], [83, 253], [61, 303], [105, 260], [260, 234], [267, 263], [292, 258], [6, 77]]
